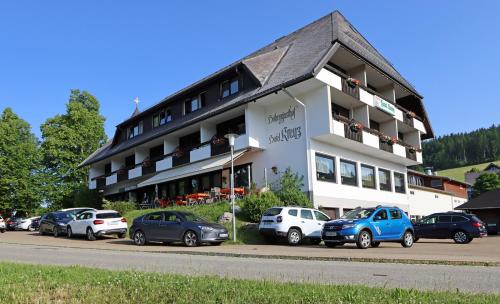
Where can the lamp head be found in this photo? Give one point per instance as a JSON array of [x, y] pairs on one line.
[[231, 137]]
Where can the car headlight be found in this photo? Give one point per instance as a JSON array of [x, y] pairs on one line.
[[62, 224], [347, 226], [206, 229]]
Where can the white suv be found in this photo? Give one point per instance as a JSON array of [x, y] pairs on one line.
[[2, 225], [294, 223], [94, 224]]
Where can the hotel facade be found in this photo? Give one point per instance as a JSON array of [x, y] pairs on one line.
[[321, 100]]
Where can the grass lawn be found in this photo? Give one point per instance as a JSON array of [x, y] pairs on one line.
[[458, 173], [20, 283], [247, 232]]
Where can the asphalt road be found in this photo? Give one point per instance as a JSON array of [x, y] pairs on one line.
[[423, 277]]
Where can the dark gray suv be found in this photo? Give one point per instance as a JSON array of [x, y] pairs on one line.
[[175, 226]]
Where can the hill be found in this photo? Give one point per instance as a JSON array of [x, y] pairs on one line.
[[458, 173]]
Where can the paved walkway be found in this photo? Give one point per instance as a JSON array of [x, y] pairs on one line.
[[485, 250]]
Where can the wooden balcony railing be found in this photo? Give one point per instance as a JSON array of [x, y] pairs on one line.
[[349, 89], [386, 147], [122, 175], [100, 182], [411, 154], [357, 136]]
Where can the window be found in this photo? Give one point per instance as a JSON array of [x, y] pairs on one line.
[[429, 220], [381, 215], [401, 136], [395, 214], [306, 214], [444, 219], [134, 130], [459, 219], [170, 217], [320, 216], [107, 169], [399, 182], [384, 179], [162, 118], [242, 176], [374, 125], [205, 182], [348, 173], [154, 217], [229, 87], [292, 212], [340, 110], [194, 104], [325, 168], [130, 161], [368, 176], [273, 211], [436, 183]]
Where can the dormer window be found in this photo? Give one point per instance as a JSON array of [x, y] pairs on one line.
[[162, 118], [229, 87], [134, 130], [195, 103]]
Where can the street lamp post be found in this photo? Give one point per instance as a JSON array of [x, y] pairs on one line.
[[231, 137]]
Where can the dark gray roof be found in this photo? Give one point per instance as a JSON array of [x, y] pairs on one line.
[[286, 61], [487, 200]]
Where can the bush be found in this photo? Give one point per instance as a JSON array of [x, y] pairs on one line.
[[255, 204], [120, 206], [288, 189]]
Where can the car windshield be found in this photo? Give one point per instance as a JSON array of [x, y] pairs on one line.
[[358, 214], [194, 218], [108, 215], [62, 216]]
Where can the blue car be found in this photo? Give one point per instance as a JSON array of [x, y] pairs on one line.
[[368, 227]]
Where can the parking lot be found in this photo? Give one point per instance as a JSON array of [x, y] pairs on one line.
[[480, 250]]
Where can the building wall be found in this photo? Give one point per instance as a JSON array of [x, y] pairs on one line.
[[425, 202], [455, 188]]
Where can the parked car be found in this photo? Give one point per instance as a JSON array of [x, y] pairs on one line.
[[54, 223], [12, 222], [368, 227], [2, 225], [175, 226], [293, 223], [75, 211], [460, 227], [25, 224], [35, 223], [94, 224]]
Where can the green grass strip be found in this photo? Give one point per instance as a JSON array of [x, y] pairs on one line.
[[22, 283]]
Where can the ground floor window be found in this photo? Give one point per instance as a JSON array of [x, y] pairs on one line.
[[384, 179], [368, 176], [348, 173], [325, 168], [399, 182]]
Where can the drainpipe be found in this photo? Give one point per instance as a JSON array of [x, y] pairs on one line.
[[308, 150]]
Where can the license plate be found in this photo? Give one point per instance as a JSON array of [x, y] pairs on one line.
[[330, 233], [267, 224], [113, 223], [223, 235]]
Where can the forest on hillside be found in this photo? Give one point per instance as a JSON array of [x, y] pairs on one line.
[[462, 149]]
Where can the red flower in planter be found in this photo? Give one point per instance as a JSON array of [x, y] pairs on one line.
[[355, 126], [218, 140], [411, 114], [146, 163], [121, 171], [353, 82]]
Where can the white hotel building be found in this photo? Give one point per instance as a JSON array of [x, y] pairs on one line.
[[321, 100]]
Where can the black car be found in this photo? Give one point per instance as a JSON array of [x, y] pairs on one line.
[[35, 223], [12, 223], [175, 226], [54, 223], [460, 227]]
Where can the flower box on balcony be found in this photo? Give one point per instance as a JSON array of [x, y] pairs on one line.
[[218, 141], [352, 82], [147, 163], [355, 126]]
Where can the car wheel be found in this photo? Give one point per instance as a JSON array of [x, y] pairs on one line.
[[460, 237], [30, 228], [139, 238], [375, 244], [55, 231], [215, 243], [333, 245], [190, 239], [90, 234], [364, 240], [2, 230], [294, 237], [69, 232], [407, 240]]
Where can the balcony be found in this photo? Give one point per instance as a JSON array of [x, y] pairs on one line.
[[411, 153], [164, 164], [112, 179], [181, 158], [350, 134], [384, 146], [135, 172], [100, 182], [92, 184], [201, 152], [148, 169], [349, 89], [122, 175]]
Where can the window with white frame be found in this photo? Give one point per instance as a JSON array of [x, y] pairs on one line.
[[399, 182], [384, 179], [367, 176], [348, 173]]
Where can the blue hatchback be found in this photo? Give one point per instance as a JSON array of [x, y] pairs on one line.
[[368, 227]]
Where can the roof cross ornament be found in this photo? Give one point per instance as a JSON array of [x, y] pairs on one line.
[[136, 101]]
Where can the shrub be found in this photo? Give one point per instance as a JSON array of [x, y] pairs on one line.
[[255, 204], [120, 206], [288, 189]]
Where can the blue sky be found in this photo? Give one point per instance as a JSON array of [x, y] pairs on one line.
[[121, 49]]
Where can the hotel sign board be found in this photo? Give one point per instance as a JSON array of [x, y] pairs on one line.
[[384, 105]]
